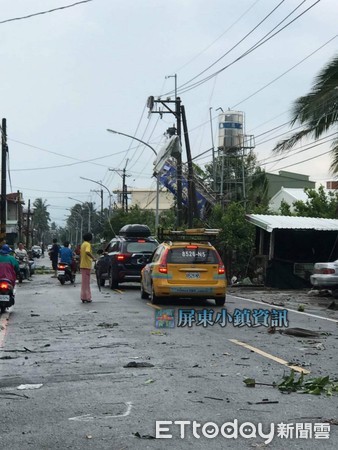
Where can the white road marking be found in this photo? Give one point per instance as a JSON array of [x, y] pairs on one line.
[[89, 417], [283, 307]]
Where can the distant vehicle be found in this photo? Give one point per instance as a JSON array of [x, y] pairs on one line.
[[36, 251], [325, 276], [185, 265], [125, 256]]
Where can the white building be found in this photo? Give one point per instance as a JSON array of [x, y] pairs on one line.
[[289, 196]]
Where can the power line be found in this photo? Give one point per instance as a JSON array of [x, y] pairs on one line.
[[230, 50], [219, 37], [67, 165], [284, 73], [254, 47], [44, 12], [308, 147]]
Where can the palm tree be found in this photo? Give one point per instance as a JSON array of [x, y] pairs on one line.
[[41, 218], [317, 111]]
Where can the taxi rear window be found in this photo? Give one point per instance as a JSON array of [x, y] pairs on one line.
[[192, 256]]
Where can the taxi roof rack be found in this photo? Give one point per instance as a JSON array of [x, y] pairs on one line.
[[189, 234]]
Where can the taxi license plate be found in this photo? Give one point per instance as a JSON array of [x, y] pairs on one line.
[[192, 275], [4, 298]]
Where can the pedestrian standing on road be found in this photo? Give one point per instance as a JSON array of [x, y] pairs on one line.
[[86, 258], [54, 256]]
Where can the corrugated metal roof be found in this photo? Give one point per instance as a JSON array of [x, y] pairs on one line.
[[270, 223]]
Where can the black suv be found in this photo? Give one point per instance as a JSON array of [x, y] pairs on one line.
[[125, 256]]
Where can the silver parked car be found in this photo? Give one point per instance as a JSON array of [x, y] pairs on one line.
[[325, 276]]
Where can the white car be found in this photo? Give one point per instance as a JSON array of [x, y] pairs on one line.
[[325, 276], [36, 251]]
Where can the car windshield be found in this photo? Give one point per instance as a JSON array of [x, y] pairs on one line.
[[141, 247], [192, 256]]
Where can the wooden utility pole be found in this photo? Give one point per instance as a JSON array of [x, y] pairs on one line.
[[177, 113], [3, 202], [28, 223], [192, 205]]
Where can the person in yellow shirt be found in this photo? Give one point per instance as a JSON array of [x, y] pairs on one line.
[[86, 258]]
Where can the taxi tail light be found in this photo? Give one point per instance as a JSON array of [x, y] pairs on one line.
[[192, 247], [163, 268], [221, 268]]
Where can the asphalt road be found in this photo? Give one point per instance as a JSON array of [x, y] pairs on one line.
[[88, 399]]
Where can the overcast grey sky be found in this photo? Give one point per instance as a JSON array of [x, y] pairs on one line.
[[69, 75]]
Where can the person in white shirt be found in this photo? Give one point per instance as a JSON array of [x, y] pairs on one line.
[[21, 253]]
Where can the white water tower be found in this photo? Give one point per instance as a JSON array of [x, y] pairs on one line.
[[231, 130]]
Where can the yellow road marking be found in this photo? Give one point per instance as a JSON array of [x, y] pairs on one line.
[[267, 355], [154, 306]]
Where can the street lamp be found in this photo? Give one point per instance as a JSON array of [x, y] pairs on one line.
[[86, 204], [157, 177], [75, 225], [97, 182], [81, 229]]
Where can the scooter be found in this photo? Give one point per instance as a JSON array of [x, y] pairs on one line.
[[65, 273], [23, 266], [7, 294]]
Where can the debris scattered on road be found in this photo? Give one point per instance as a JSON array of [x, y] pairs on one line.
[[215, 398], [320, 346], [158, 333], [299, 332], [29, 386], [8, 357], [251, 382], [138, 364], [13, 394], [89, 436], [333, 305], [314, 386], [35, 315], [107, 325], [149, 381], [264, 402], [143, 436], [301, 308]]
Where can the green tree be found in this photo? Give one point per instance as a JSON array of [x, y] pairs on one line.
[[236, 239], [41, 219], [319, 204], [317, 111], [120, 218], [285, 209]]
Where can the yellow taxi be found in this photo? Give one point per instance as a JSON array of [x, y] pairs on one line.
[[185, 265]]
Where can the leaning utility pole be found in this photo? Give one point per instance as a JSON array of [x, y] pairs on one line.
[[192, 206], [177, 113]]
